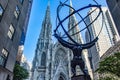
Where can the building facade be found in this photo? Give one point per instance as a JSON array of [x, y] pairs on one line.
[[13, 21], [114, 7], [111, 51], [107, 38], [52, 61], [24, 31]]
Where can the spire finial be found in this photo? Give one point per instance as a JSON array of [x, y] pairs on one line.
[[71, 10], [47, 16], [71, 3], [48, 2]]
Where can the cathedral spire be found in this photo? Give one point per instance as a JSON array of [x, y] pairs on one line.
[[72, 22], [47, 15], [46, 25]]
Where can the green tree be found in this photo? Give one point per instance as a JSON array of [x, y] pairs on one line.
[[20, 73], [109, 68]]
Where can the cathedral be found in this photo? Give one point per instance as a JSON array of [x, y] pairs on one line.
[[52, 61]]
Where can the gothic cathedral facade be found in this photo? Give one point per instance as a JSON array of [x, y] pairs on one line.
[[52, 61]]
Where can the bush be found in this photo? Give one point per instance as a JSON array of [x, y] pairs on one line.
[[20, 73]]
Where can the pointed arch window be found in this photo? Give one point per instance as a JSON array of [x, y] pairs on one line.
[[62, 77], [43, 59]]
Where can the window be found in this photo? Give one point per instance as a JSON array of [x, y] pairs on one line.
[[17, 12], [1, 12], [11, 31], [3, 57], [4, 52]]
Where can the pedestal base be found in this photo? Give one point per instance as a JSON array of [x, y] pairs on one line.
[[81, 77]]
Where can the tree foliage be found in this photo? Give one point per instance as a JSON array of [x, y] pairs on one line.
[[20, 73], [109, 68]]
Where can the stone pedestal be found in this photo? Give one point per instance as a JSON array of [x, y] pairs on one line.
[[81, 77]]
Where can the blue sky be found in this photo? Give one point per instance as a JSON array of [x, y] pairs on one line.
[[37, 16]]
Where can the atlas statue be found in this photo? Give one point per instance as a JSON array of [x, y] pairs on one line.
[[70, 43]]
